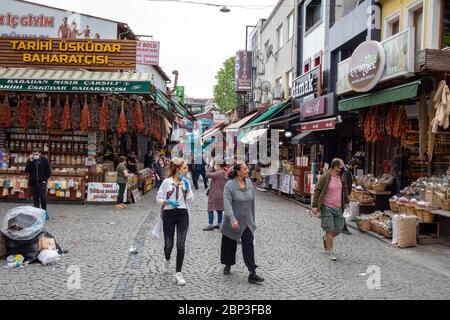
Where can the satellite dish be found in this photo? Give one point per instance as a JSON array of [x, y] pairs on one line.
[[266, 86], [269, 51]]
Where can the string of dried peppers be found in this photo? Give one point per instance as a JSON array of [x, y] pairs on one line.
[[5, 114]]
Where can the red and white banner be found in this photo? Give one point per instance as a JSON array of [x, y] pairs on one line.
[[147, 52], [325, 124]]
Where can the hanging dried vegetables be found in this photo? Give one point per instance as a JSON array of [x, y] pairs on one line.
[[431, 132], [390, 120], [103, 121], [138, 121], [423, 126], [129, 114], [41, 115], [85, 117], [122, 125], [5, 114], [23, 114], [113, 118], [75, 113], [94, 111], [400, 123], [49, 117], [66, 116], [57, 114], [372, 125], [34, 114]]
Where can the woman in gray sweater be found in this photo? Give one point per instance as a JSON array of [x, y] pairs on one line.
[[239, 221]]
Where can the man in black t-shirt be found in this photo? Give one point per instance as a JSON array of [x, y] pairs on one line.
[[132, 162]]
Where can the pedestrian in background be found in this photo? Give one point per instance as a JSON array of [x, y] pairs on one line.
[[122, 176], [239, 221], [160, 169], [218, 175], [175, 195], [39, 171], [200, 170], [329, 201]]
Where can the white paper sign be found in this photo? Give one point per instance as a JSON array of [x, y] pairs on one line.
[[147, 52], [103, 192]]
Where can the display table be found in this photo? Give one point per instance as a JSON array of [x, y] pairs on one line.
[[381, 199]]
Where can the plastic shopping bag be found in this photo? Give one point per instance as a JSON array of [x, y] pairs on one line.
[[48, 257]]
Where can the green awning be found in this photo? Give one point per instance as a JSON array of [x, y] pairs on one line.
[[161, 100], [405, 91], [266, 115]]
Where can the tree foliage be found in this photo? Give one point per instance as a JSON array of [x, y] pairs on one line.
[[224, 90]]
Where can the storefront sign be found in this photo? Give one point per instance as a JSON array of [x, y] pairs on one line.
[[399, 61], [308, 83], [180, 93], [103, 192], [25, 19], [366, 66], [325, 124], [147, 52], [314, 107], [161, 100], [88, 86], [68, 54], [243, 71]]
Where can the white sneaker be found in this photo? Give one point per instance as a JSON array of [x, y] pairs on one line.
[[332, 256], [166, 266], [178, 277]]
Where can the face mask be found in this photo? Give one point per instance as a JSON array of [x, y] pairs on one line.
[[341, 171], [180, 175], [35, 157]]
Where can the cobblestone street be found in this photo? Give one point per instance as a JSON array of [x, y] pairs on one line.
[[289, 253]]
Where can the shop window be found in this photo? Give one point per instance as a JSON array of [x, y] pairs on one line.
[[317, 60], [313, 14], [395, 27], [288, 84], [306, 68], [340, 8]]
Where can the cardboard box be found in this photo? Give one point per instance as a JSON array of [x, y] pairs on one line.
[[2, 246], [47, 243]]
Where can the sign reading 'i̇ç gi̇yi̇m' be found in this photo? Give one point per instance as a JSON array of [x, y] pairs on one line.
[[67, 53]]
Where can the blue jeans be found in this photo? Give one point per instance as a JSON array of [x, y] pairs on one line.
[[211, 217]]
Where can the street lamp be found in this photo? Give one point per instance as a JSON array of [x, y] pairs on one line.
[[224, 9]]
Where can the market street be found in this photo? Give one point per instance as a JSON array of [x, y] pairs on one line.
[[289, 253]]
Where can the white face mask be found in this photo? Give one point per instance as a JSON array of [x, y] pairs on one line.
[[36, 157]]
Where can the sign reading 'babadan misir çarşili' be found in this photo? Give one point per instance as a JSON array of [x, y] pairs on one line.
[[69, 54]]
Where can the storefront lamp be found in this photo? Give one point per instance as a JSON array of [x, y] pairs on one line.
[[288, 134]]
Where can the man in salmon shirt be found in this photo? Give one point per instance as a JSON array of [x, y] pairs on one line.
[[329, 201]]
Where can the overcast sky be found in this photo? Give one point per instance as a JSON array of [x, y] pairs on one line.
[[195, 39]]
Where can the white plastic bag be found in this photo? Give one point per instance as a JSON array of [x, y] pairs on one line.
[[23, 223], [354, 211], [395, 223], [48, 256]]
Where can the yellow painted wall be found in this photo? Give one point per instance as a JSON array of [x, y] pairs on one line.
[[389, 7]]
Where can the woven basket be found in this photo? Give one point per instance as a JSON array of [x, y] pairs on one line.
[[363, 225], [387, 233], [402, 207], [394, 206], [427, 216], [379, 186], [366, 198], [445, 205], [418, 212], [411, 209]]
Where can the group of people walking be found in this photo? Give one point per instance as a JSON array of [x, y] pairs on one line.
[[231, 195]]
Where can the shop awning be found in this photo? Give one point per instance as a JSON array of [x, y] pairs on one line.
[[307, 137], [253, 136], [398, 93], [214, 130], [47, 80], [270, 112], [162, 100], [240, 123]]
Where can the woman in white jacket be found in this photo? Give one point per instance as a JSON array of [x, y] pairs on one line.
[[174, 195]]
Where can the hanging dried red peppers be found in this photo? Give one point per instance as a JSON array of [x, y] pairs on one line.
[[5, 114], [66, 116], [49, 117], [85, 117], [23, 114], [103, 122], [122, 126], [138, 121], [57, 114]]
